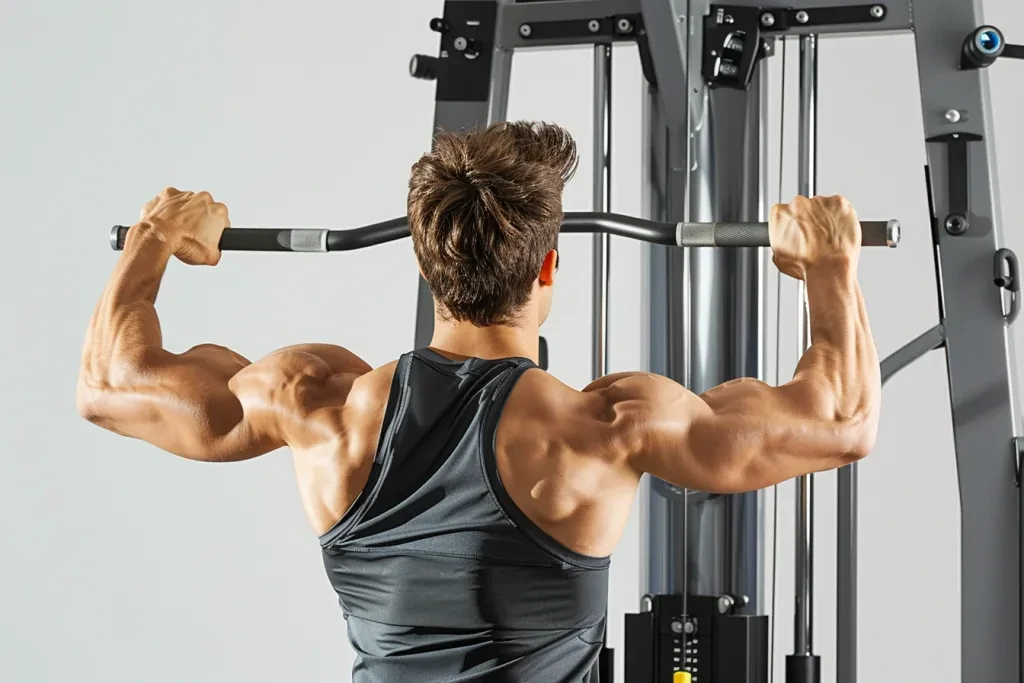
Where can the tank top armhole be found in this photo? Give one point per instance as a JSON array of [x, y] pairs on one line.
[[398, 398], [504, 502]]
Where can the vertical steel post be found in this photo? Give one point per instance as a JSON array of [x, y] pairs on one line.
[[804, 666], [602, 202]]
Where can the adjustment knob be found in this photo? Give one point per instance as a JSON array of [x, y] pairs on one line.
[[466, 46], [982, 48], [439, 25], [423, 67]]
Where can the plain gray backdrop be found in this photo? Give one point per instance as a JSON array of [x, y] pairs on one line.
[[120, 563]]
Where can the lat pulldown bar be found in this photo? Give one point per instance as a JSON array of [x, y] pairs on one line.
[[875, 234]]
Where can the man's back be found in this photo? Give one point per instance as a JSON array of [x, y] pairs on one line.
[[441, 575]]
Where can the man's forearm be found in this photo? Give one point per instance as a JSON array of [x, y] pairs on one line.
[[125, 322], [842, 360]]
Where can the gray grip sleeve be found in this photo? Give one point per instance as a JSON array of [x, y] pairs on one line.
[[722, 234], [304, 239]]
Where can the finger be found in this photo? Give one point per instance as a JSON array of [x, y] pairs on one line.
[[170, 191], [204, 197]]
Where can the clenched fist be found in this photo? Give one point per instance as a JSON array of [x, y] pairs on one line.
[[192, 221], [812, 232]]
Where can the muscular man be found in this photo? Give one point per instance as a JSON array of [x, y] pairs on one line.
[[465, 500]]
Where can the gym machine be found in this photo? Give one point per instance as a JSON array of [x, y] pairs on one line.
[[702, 617], [705, 146]]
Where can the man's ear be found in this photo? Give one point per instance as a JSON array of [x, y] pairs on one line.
[[548, 268]]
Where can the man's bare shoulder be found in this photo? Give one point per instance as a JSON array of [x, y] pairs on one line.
[[302, 389], [581, 422]]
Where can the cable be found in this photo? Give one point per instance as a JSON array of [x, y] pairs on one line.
[[778, 356]]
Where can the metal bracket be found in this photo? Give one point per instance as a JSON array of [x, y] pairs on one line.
[[772, 19], [1006, 276], [1018, 461], [600, 29], [957, 220], [732, 46]]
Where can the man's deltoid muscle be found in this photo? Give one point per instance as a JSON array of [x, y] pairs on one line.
[[466, 501]]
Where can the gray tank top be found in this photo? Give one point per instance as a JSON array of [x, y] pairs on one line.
[[440, 576]]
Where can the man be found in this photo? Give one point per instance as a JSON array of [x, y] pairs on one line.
[[467, 501]]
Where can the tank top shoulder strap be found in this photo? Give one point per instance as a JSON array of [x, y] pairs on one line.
[[398, 401]]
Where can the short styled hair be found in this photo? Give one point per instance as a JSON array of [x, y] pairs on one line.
[[484, 208]]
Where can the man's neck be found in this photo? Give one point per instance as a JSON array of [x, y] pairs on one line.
[[492, 342]]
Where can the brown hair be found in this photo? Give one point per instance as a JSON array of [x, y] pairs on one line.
[[484, 209]]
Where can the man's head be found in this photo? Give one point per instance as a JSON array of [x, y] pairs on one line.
[[484, 212]]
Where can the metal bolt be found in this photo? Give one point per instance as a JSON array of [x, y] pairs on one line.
[[952, 116], [725, 604], [677, 627], [459, 43], [525, 30], [767, 19], [801, 17], [956, 224], [625, 25], [594, 25], [878, 11], [646, 604], [690, 627]]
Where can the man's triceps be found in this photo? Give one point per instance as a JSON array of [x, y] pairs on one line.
[[729, 439], [182, 403]]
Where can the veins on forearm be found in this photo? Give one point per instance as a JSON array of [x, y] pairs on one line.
[[125, 322]]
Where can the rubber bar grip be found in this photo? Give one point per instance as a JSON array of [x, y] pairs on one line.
[[296, 239], [873, 234], [253, 239]]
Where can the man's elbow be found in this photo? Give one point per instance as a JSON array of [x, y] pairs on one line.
[[89, 402], [86, 397], [862, 442], [859, 435]]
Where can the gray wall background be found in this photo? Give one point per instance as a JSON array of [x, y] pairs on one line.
[[121, 563]]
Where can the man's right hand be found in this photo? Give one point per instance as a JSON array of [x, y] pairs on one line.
[[812, 232], [192, 221]]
